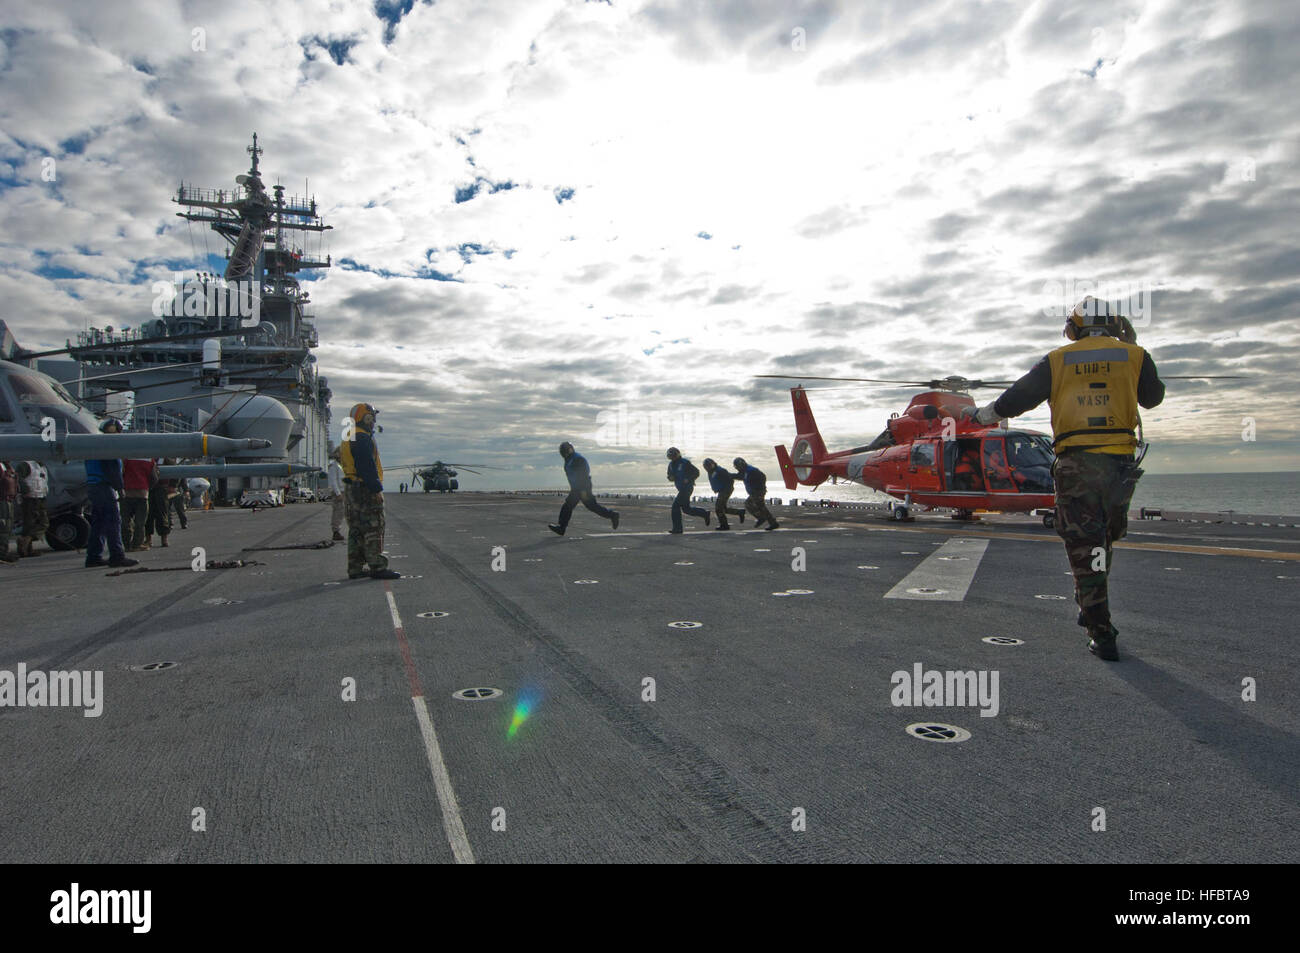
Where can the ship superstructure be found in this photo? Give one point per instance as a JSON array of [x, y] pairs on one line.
[[267, 236]]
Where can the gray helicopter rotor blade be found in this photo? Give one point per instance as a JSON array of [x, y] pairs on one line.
[[107, 446]]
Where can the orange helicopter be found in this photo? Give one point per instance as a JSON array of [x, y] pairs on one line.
[[930, 455]]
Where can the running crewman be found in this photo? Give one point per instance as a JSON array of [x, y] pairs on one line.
[[756, 486], [682, 474], [724, 484], [578, 472]]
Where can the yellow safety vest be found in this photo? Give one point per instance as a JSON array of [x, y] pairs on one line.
[[1094, 394], [350, 466]]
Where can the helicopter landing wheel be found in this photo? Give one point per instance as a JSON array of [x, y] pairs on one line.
[[69, 531], [1049, 520], [898, 514], [965, 515]]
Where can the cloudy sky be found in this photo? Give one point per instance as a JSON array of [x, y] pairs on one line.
[[595, 221]]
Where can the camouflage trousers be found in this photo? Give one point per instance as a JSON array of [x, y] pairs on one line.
[[6, 525], [720, 507], [756, 503], [1093, 492], [35, 518], [365, 512], [159, 518], [338, 508]]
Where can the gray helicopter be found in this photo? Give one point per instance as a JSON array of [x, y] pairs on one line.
[[440, 476], [40, 420]]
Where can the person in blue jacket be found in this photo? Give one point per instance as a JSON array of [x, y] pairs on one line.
[[578, 472], [756, 486], [724, 484], [682, 474], [103, 484]]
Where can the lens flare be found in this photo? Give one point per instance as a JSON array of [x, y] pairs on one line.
[[523, 709]]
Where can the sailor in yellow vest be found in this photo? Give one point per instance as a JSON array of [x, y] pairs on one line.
[[363, 476], [1094, 386]]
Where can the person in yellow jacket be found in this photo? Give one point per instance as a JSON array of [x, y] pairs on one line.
[[363, 476], [1094, 386]]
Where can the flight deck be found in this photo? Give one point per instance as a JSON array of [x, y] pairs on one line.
[[635, 696]]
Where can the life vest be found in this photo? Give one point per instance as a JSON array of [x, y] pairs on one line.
[[37, 482], [349, 463], [1094, 394]]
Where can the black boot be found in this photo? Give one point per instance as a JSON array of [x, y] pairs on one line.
[[385, 574], [1102, 643], [557, 529]]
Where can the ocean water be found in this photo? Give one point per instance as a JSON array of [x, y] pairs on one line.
[[1270, 494]]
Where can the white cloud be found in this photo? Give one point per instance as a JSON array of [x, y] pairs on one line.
[[899, 190]]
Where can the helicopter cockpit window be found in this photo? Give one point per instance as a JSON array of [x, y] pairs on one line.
[[922, 454], [1027, 452], [1031, 463], [30, 389]]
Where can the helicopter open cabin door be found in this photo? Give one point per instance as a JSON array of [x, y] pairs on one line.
[[961, 465], [997, 477]]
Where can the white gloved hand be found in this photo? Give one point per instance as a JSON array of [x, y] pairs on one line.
[[986, 415]]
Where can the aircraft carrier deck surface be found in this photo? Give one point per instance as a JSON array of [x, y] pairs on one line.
[[772, 735]]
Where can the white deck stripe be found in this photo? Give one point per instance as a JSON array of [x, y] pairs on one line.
[[451, 820], [392, 611], [952, 577]]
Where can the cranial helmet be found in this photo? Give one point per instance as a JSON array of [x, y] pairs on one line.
[[709, 463], [739, 463], [359, 411], [566, 448], [1091, 313], [113, 423], [673, 452]]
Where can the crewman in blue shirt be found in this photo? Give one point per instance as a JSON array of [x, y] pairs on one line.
[[682, 474], [103, 484], [756, 486], [578, 472], [724, 484]]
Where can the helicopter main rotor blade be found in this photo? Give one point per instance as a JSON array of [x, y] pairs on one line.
[[856, 380], [949, 383]]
